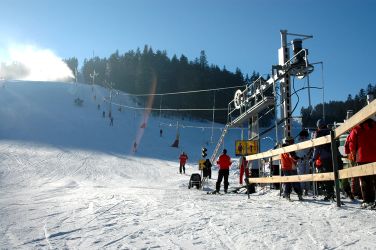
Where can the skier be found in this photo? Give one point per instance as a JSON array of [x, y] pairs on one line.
[[207, 168], [288, 167], [111, 121], [303, 163], [134, 147], [183, 159], [224, 163], [243, 169], [322, 158], [103, 114], [160, 132], [361, 148]]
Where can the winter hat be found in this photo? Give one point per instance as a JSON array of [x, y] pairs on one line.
[[303, 133], [224, 151], [320, 123], [288, 139]]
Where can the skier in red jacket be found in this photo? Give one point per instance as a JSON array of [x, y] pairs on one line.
[[361, 144], [224, 163], [243, 169], [183, 159]]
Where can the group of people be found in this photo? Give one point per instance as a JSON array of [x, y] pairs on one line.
[[224, 162], [306, 160], [359, 147]]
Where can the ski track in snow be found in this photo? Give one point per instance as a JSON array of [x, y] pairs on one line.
[[77, 211], [56, 196]]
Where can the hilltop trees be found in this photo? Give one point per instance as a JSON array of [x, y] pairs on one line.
[[135, 71], [335, 111]]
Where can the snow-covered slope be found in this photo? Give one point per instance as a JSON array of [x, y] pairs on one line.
[[69, 180]]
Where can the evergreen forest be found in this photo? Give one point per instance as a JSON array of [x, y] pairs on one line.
[[148, 71]]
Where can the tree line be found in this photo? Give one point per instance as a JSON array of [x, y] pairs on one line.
[[135, 72], [336, 111]]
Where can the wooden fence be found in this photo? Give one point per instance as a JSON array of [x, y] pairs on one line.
[[367, 169]]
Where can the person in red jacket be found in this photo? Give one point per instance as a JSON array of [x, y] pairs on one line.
[[288, 167], [361, 145], [224, 163], [183, 159], [243, 169]]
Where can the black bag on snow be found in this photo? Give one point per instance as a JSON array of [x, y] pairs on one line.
[[195, 180]]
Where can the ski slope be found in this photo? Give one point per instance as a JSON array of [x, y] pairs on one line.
[[69, 180]]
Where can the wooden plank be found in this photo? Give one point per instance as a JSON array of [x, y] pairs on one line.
[[294, 178], [362, 170], [357, 118], [299, 146], [276, 157]]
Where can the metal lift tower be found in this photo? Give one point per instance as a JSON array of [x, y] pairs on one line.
[[261, 94]]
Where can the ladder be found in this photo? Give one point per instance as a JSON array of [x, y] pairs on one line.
[[220, 141]]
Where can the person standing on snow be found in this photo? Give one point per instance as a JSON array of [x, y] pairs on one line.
[[243, 169], [303, 163], [361, 149], [288, 167], [183, 159], [224, 163], [322, 158], [207, 168]]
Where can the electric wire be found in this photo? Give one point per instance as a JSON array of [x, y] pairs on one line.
[[184, 92]]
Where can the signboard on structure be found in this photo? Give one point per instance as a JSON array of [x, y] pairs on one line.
[[245, 147], [201, 164]]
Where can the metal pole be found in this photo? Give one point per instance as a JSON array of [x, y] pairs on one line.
[[284, 56], [335, 167], [160, 110], [323, 97], [309, 92], [211, 138], [275, 112]]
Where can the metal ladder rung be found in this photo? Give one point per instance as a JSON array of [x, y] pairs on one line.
[[220, 141]]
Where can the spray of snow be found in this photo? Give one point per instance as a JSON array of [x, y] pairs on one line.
[[147, 111], [27, 62]]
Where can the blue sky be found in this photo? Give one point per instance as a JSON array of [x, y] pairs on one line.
[[240, 33]]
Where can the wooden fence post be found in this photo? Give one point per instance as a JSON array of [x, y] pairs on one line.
[[335, 166]]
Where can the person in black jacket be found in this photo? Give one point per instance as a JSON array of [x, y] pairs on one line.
[[207, 168], [322, 158]]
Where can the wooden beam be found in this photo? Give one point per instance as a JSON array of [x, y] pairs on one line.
[[294, 147], [294, 178], [362, 170]]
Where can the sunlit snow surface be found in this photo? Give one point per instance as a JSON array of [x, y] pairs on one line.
[[70, 181]]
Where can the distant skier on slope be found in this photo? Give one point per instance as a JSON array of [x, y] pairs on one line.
[[183, 159]]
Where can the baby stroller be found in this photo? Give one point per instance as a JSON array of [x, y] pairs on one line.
[[195, 180]]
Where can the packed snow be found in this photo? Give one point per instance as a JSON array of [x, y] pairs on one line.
[[69, 180]]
